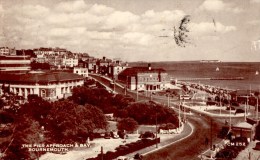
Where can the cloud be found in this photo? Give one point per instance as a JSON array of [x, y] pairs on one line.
[[71, 6], [164, 17], [98, 9], [79, 26], [208, 28], [137, 38], [254, 22], [254, 1], [218, 6], [28, 11], [213, 5], [1, 9], [119, 19]]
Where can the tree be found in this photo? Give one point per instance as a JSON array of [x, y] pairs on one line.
[[1, 104], [67, 122], [26, 131], [149, 112], [127, 124], [98, 97], [36, 108], [121, 113], [122, 101], [6, 117]]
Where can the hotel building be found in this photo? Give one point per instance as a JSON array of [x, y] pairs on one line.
[[145, 78]]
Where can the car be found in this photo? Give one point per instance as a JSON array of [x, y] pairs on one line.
[[146, 135], [185, 97], [122, 158], [107, 136], [239, 111]]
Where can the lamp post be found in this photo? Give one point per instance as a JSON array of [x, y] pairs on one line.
[[156, 129], [168, 100], [126, 84], [154, 106], [137, 94], [179, 114], [220, 103], [257, 108], [229, 116]]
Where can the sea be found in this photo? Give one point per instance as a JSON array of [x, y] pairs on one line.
[[250, 71]]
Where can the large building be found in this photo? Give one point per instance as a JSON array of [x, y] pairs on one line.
[[145, 78], [15, 63], [48, 85]]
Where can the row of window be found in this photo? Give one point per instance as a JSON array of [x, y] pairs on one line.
[[149, 79]]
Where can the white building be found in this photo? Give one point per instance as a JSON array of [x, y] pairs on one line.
[[70, 62], [48, 85], [81, 71]]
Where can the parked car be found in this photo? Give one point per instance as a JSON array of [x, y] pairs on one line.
[[146, 135], [107, 135], [239, 111], [122, 158]]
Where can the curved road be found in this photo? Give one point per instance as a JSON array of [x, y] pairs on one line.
[[189, 148]]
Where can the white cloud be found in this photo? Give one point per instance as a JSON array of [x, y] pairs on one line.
[[209, 28], [29, 11], [119, 20], [100, 10], [254, 1], [219, 5], [76, 25], [213, 5], [1, 9], [72, 6], [137, 38], [164, 17], [254, 22]]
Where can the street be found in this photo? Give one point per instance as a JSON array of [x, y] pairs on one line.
[[189, 148]]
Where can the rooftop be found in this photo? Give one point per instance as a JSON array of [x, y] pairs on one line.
[[38, 77], [136, 70]]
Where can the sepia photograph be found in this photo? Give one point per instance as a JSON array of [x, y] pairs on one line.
[[129, 79]]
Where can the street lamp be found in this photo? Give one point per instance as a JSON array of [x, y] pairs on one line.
[[126, 84], [154, 106], [156, 129]]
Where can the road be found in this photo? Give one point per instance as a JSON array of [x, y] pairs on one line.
[[186, 149], [191, 147]]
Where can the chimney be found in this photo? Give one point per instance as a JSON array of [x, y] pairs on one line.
[[104, 58], [149, 66]]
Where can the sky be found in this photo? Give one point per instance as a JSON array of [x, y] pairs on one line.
[[135, 30]]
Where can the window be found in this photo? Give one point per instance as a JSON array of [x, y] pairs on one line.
[[43, 93]]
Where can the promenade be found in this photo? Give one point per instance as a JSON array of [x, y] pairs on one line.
[[185, 133], [195, 109]]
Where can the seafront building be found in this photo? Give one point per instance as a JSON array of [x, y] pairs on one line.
[[145, 78], [48, 85]]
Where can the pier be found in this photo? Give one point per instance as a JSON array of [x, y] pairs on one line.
[[207, 78]]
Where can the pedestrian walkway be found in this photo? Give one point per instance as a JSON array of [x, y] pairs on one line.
[[249, 152], [206, 110], [187, 131]]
